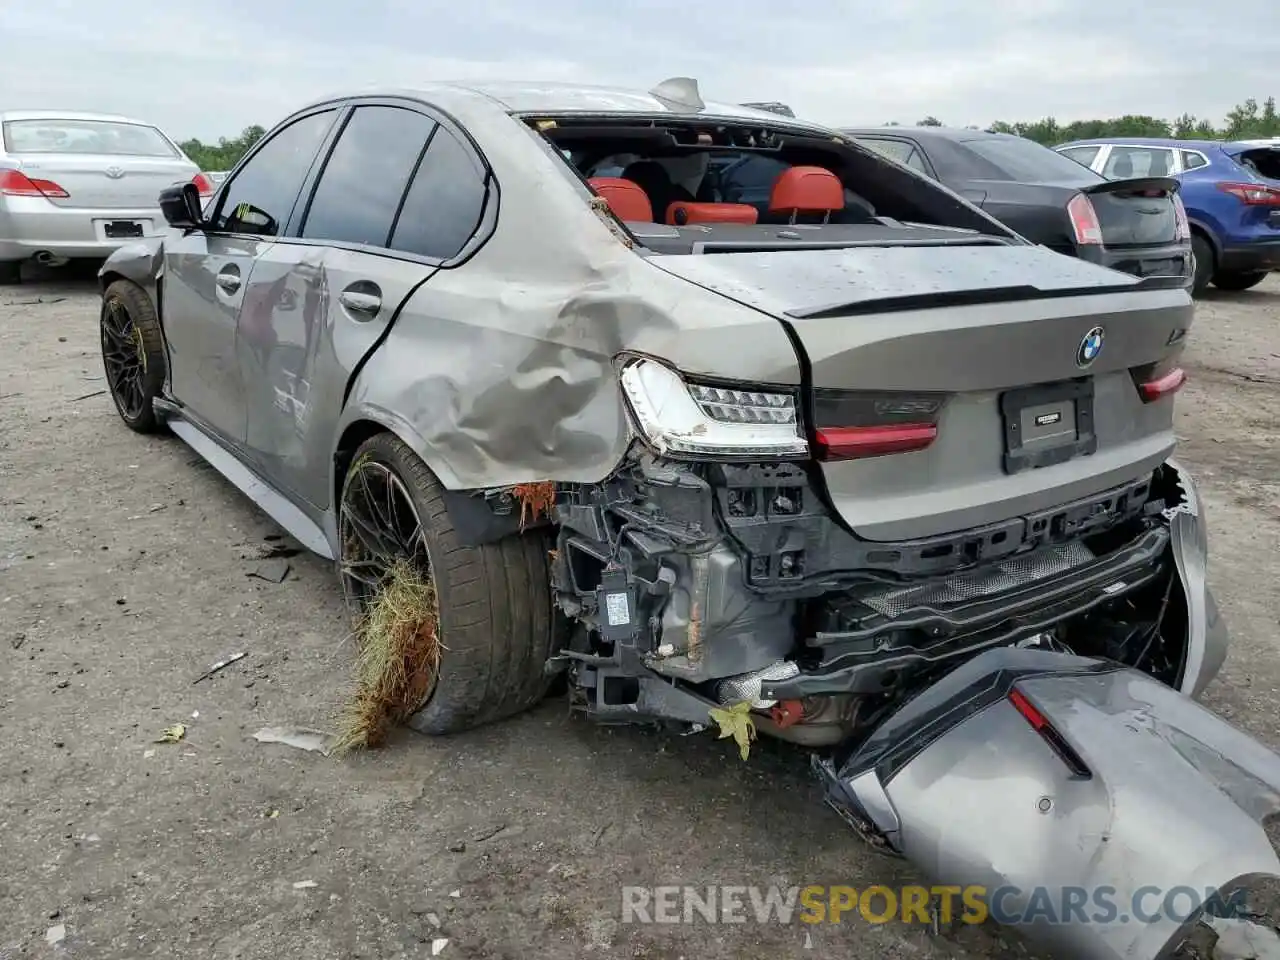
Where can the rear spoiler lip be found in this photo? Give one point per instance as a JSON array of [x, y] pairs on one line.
[[1133, 184], [965, 298]]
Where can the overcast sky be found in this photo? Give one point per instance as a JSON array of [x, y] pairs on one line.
[[212, 67]]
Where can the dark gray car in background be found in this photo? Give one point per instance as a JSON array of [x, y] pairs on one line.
[[857, 459], [1137, 225]]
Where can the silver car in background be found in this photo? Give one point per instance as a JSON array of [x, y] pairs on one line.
[[78, 185]]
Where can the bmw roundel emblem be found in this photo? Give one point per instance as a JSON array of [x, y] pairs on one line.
[[1090, 347]]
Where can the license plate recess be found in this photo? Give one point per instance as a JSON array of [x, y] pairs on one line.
[[1047, 424]]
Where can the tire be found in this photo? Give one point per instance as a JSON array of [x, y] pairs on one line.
[[1239, 279], [132, 354], [494, 601], [1203, 260], [10, 273]]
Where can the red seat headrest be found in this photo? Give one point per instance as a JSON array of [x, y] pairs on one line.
[[625, 198], [806, 190], [682, 212]]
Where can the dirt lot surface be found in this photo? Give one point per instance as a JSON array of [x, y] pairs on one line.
[[124, 567]]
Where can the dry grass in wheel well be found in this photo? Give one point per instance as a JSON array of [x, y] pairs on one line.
[[397, 658]]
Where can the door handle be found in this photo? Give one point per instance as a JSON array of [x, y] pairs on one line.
[[229, 282], [366, 304]]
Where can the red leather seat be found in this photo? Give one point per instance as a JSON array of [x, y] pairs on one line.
[[806, 190], [681, 212], [625, 198]]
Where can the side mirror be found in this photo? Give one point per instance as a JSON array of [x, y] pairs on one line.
[[181, 206]]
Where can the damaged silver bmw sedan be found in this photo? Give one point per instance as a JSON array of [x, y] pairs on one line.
[[811, 435]]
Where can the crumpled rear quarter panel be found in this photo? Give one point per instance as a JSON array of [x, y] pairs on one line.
[[500, 370]]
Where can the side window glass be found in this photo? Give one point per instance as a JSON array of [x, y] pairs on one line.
[[893, 149], [261, 197], [359, 192], [445, 201], [751, 180], [899, 150], [1192, 161], [1126, 162], [1082, 155], [915, 160]]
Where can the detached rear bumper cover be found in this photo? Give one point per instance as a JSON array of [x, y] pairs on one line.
[[962, 784], [1207, 636]]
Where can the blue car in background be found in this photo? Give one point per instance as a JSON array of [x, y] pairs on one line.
[[1231, 191]]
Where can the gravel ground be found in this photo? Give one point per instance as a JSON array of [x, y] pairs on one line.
[[124, 567]]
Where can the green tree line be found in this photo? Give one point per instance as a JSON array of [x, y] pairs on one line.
[[1247, 121], [1251, 120], [224, 154]]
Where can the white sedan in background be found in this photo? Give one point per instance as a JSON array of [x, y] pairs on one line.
[[78, 185]]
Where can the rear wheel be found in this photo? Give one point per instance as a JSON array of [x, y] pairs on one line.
[[1202, 262], [10, 272], [494, 601], [1239, 279], [132, 354]]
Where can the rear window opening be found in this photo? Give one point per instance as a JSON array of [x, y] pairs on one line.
[[702, 186], [98, 137], [1265, 162]]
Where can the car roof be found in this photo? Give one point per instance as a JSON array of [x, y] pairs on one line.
[[68, 115], [1172, 142], [953, 134], [531, 97]]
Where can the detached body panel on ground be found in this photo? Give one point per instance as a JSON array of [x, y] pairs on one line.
[[804, 458]]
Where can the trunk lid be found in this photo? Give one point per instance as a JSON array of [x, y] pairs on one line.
[[107, 181], [1131, 213], [984, 344], [1135, 212]]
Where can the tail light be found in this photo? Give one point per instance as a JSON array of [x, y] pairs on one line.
[[203, 184], [1181, 226], [851, 425], [1041, 725], [1084, 220], [15, 183], [1153, 388], [1252, 194]]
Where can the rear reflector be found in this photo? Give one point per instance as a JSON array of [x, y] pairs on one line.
[[15, 183], [1084, 220], [203, 184], [1041, 725], [1162, 386], [851, 443], [1252, 194], [1028, 710], [1182, 227]]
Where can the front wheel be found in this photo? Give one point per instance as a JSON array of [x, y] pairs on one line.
[[494, 605], [1239, 280], [132, 354]]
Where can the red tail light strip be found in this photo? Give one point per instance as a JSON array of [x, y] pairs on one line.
[[851, 443], [203, 185], [1041, 725], [1084, 220], [1252, 194], [15, 183], [1171, 382]]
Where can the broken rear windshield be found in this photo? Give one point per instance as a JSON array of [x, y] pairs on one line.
[[678, 181]]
